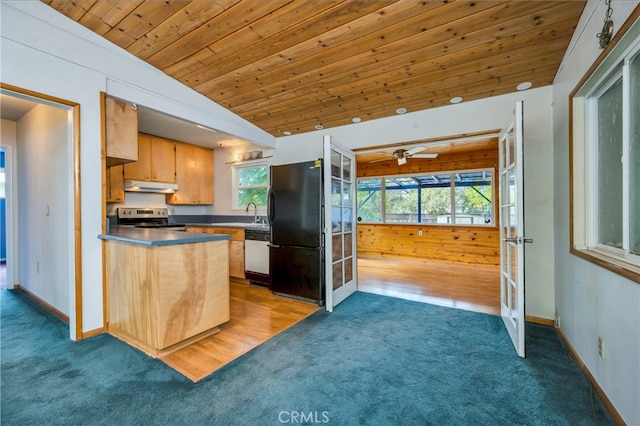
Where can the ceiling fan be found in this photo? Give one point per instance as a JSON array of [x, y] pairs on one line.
[[402, 154]]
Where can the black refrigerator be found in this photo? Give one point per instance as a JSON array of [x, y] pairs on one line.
[[296, 249]]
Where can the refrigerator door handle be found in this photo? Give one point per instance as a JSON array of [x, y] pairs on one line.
[[271, 206]]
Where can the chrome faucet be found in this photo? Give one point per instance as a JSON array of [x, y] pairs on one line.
[[255, 211]]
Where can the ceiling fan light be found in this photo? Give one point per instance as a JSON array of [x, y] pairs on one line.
[[401, 161]]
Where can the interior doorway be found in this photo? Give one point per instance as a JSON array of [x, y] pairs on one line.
[[40, 137], [428, 221]]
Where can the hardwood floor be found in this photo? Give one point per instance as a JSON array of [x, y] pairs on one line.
[[256, 316], [472, 287]]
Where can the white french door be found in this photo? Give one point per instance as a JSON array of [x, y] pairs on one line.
[[512, 239], [339, 219]]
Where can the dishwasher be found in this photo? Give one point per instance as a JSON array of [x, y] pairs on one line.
[[256, 256]]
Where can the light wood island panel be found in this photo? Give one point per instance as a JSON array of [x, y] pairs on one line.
[[161, 298]]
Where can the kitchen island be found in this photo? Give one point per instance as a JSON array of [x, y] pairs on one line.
[[165, 289]]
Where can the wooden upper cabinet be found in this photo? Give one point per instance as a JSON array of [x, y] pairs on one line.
[[163, 160], [156, 160], [194, 175], [121, 132]]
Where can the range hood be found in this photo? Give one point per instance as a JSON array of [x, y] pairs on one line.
[[144, 186]]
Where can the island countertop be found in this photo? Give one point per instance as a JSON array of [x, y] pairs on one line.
[[158, 237]]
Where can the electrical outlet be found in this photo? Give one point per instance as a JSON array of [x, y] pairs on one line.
[[601, 347], [420, 232], [557, 320]]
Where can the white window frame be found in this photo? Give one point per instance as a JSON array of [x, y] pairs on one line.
[[613, 65], [235, 183]]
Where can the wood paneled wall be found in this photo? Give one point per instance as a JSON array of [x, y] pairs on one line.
[[470, 244]]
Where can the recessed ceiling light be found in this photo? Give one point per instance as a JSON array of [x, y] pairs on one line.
[[319, 127], [205, 128], [356, 119], [286, 133], [401, 110], [456, 100], [524, 86]]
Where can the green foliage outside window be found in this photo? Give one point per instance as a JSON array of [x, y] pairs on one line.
[[252, 185]]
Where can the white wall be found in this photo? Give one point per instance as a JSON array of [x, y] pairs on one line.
[[44, 188], [8, 140], [469, 117], [45, 52], [590, 300]]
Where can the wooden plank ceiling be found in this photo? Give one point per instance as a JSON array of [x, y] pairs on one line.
[[289, 66]]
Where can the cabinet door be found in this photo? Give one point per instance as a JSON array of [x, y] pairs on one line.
[[186, 176], [121, 132], [194, 175], [141, 169], [204, 165], [163, 160], [236, 259], [115, 184]]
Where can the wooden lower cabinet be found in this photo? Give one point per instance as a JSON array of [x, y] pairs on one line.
[[160, 298], [236, 247]]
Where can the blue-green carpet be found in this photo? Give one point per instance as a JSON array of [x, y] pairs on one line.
[[374, 361]]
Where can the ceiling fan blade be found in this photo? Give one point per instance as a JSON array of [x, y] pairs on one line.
[[379, 160], [424, 156], [414, 150]]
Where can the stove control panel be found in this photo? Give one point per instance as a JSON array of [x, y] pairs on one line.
[[142, 213]]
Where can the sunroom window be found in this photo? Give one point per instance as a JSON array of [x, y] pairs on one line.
[[451, 198]]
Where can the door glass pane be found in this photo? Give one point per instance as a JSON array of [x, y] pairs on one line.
[[610, 226], [346, 193], [337, 275], [336, 219], [346, 168], [512, 147], [514, 302], [348, 270], [513, 261], [335, 164], [348, 251], [335, 192], [634, 159], [336, 246], [346, 219]]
